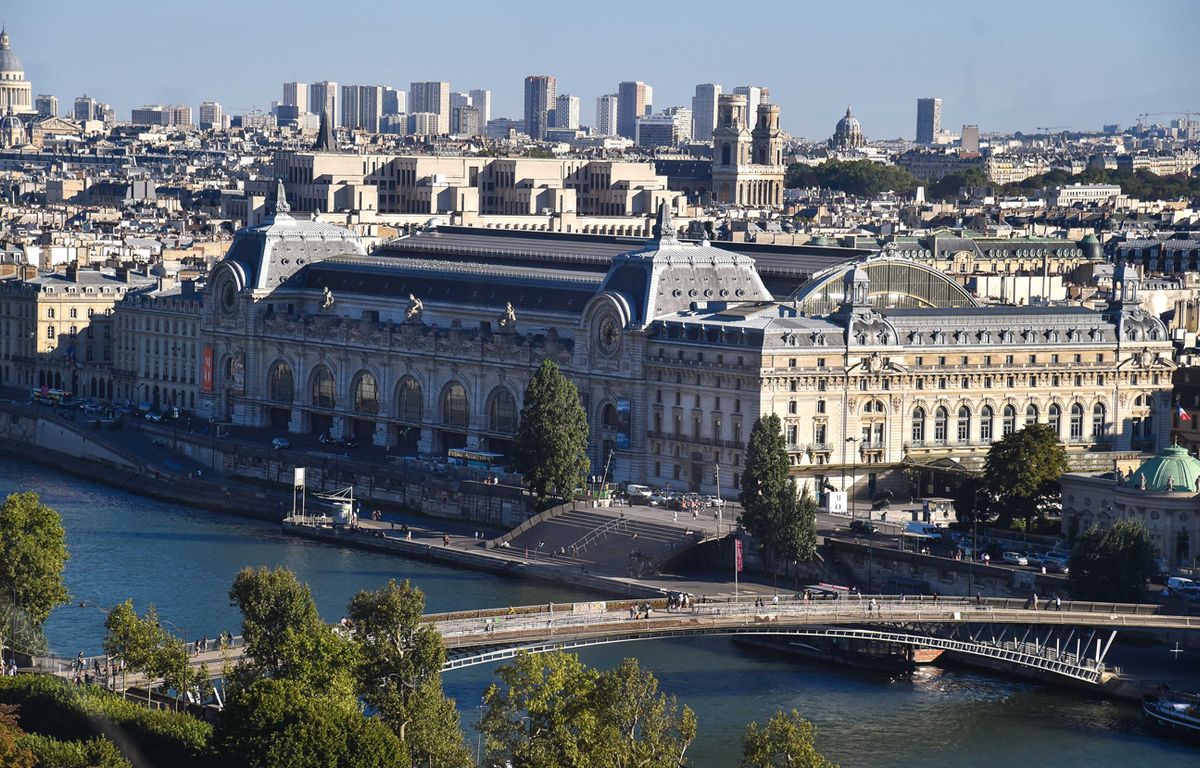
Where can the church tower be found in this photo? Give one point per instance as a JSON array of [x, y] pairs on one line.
[[747, 165]]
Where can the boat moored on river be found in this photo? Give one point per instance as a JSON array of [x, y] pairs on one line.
[[1174, 711]]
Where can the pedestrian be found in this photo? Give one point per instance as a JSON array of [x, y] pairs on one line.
[[445, 540], [872, 607], [775, 600], [1057, 603], [1035, 601]]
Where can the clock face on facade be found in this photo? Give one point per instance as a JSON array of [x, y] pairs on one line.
[[228, 298], [608, 336]]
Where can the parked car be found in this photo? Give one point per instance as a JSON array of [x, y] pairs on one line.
[[280, 443], [865, 527], [1055, 564], [154, 416], [1014, 558]]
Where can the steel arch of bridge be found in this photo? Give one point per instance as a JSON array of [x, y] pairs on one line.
[[1088, 673]]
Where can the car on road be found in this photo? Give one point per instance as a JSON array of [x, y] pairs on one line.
[[638, 493], [280, 443], [865, 527], [1055, 564], [154, 416], [1014, 558]]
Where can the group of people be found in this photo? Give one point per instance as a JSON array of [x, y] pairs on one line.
[[640, 611], [82, 674], [760, 603], [678, 601]]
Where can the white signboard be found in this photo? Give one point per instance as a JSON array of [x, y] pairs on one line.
[[298, 480], [836, 503]]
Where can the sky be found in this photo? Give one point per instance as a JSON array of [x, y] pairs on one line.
[[1008, 66]]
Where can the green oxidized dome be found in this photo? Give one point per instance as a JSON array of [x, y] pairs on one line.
[[1174, 463]]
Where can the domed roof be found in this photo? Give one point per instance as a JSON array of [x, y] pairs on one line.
[[1173, 466], [1089, 239], [8, 60], [848, 124]]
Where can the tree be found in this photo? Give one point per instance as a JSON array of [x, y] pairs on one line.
[[1022, 471], [638, 725], [150, 649], [551, 711], [283, 722], [787, 741], [12, 754], [399, 674], [856, 177], [797, 540], [765, 487], [969, 500], [550, 449], [33, 553], [286, 638], [1112, 564]]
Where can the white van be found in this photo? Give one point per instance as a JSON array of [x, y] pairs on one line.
[[918, 528], [638, 493]]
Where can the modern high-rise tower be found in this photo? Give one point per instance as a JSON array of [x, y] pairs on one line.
[[433, 97], [606, 115], [212, 117], [566, 111], [633, 96], [540, 93], [704, 111], [929, 120], [322, 98], [296, 95], [481, 99]]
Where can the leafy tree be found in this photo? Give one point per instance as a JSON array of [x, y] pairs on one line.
[[33, 553], [787, 741], [550, 449], [1022, 471], [969, 500], [150, 649], [284, 722], [856, 177], [550, 711], [638, 725], [12, 753], [539, 714], [797, 538], [285, 636], [1112, 564], [766, 490], [399, 674]]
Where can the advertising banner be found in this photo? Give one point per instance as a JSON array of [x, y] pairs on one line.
[[206, 370], [623, 419], [737, 554]]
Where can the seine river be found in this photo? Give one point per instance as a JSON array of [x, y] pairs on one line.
[[183, 561]]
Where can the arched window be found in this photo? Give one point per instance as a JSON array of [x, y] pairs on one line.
[[408, 400], [50, 312], [279, 383], [323, 390], [1031, 414], [366, 393], [1010, 421], [73, 312], [1076, 421], [964, 424], [608, 416], [50, 332], [502, 415], [454, 406], [1054, 418], [873, 406], [940, 418], [986, 418], [1099, 421], [918, 425]]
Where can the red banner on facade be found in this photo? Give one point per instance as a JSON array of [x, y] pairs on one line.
[[206, 371], [737, 555]]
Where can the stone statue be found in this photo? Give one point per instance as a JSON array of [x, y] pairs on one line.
[[1198, 485], [327, 298], [415, 307], [1170, 483], [1141, 482], [508, 320]]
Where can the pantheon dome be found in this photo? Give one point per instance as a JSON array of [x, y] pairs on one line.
[[848, 134], [15, 90]]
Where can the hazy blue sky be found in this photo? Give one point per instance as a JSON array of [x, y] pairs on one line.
[[1004, 65]]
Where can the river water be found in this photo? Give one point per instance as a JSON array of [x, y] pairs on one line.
[[184, 560]]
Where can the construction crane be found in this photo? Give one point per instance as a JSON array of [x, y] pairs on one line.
[[1187, 113], [1054, 128]]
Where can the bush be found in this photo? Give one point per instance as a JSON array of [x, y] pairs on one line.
[[51, 707], [93, 753]]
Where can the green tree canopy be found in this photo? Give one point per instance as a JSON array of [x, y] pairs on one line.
[[285, 636], [550, 449], [273, 723], [1022, 471], [855, 177], [797, 534], [399, 674], [767, 493], [150, 649], [1112, 564], [12, 753], [787, 741], [550, 711], [33, 553]]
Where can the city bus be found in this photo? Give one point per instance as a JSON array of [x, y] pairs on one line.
[[463, 457], [49, 396]]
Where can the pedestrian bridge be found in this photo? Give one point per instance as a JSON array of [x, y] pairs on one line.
[[1069, 639]]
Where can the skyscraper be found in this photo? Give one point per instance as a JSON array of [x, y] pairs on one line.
[[929, 120], [394, 102], [633, 96], [211, 116], [704, 111], [481, 99], [433, 97], [458, 100], [370, 107], [540, 93], [754, 96], [468, 121], [349, 116], [970, 140], [566, 111], [296, 95], [46, 105], [606, 115], [85, 108], [322, 97]]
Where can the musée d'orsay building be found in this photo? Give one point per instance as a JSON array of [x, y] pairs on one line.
[[873, 366]]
